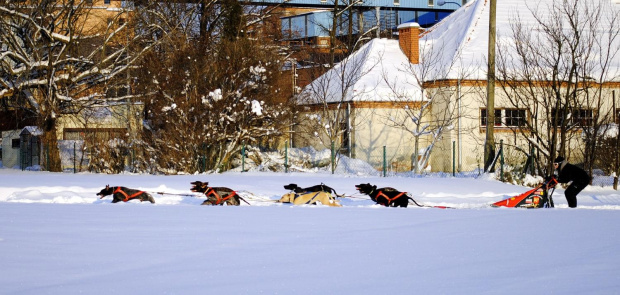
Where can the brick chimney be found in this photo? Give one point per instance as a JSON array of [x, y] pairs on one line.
[[409, 41]]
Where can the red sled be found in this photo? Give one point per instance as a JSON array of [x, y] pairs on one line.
[[538, 197]]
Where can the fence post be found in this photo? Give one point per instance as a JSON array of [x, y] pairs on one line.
[[204, 157], [453, 158], [501, 160], [133, 159], [74, 156], [47, 157], [333, 158], [286, 156], [384, 162], [243, 158], [532, 170]]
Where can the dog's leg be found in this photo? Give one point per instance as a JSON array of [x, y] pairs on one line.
[[234, 201], [208, 202]]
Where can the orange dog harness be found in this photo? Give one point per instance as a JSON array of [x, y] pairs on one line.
[[389, 200], [127, 197], [219, 199]]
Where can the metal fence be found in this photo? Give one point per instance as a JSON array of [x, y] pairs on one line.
[[511, 165]]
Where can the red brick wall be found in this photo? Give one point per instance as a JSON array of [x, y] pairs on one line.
[[409, 40]]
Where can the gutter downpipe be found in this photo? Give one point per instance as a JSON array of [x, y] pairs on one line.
[[459, 137]]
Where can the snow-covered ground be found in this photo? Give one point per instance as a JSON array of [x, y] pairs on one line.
[[57, 237]]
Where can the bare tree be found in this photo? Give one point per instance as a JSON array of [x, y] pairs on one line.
[[429, 104], [57, 61], [555, 66], [326, 109], [210, 91]]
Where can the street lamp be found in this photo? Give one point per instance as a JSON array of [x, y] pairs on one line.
[[442, 3]]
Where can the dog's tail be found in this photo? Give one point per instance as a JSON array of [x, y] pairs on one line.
[[416, 203], [336, 194], [329, 189], [241, 198]]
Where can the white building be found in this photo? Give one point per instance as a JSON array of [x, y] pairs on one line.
[[373, 92]]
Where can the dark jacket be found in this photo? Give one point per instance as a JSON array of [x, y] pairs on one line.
[[569, 172]]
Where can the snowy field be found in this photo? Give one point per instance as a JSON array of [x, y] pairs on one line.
[[57, 237]]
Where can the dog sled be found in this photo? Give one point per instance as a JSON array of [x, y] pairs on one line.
[[539, 197], [318, 194]]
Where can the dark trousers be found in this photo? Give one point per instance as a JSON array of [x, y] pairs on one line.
[[572, 191]]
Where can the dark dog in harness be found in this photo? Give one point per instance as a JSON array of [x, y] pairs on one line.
[[121, 193], [386, 196], [217, 195]]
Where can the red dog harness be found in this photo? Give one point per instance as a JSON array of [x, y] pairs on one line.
[[127, 197], [219, 200], [390, 200]]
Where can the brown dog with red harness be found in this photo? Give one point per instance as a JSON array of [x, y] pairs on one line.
[[386, 196], [217, 195], [121, 193]]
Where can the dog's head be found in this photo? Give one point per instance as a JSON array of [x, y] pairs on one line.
[[291, 186], [199, 186], [365, 188], [106, 191]]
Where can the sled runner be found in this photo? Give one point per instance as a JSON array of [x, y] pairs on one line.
[[538, 197]]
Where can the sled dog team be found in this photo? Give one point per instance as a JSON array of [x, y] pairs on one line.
[[386, 196], [318, 194]]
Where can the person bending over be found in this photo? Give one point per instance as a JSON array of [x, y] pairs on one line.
[[567, 173]]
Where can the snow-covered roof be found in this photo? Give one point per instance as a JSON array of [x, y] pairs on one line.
[[465, 33], [32, 130], [458, 46], [362, 76]]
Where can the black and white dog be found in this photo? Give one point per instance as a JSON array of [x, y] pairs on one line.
[[121, 193], [311, 189]]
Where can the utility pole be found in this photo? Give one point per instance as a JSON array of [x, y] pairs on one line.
[[332, 35], [489, 144]]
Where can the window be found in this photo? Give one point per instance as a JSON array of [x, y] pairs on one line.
[[579, 117], [583, 117], [94, 134], [498, 117], [396, 2], [15, 143], [344, 137], [505, 117], [514, 117], [106, 2], [618, 116], [431, 3]]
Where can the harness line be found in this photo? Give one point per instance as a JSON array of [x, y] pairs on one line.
[[183, 195]]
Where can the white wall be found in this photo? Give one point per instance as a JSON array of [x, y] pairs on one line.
[[10, 156]]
